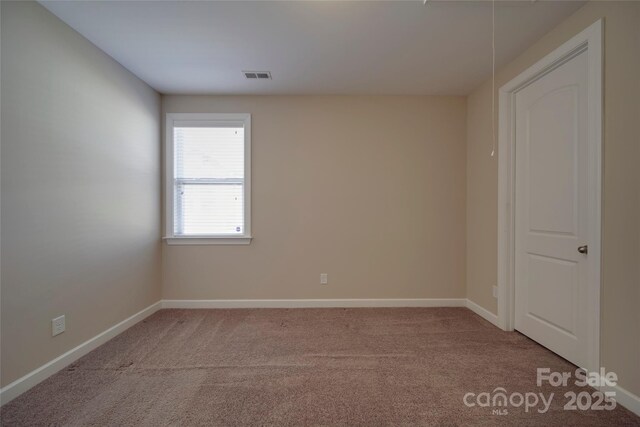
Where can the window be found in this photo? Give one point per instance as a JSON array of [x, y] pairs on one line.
[[207, 189]]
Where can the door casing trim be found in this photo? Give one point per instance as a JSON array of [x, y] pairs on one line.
[[590, 41]]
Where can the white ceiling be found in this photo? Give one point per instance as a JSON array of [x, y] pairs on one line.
[[323, 47]]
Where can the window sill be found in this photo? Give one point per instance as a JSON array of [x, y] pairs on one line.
[[208, 240]]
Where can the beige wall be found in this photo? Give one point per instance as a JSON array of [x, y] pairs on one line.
[[80, 189], [620, 340], [482, 200], [393, 197], [370, 190]]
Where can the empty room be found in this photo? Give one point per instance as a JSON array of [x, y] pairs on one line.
[[292, 213]]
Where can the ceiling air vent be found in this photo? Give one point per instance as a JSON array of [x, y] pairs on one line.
[[257, 75]]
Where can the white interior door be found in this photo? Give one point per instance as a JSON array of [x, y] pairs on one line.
[[551, 270]]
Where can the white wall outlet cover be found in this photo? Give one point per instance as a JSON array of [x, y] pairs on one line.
[[324, 279], [495, 292], [57, 326]]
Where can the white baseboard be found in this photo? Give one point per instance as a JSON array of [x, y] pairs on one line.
[[315, 303], [19, 386], [482, 312], [624, 398], [11, 391]]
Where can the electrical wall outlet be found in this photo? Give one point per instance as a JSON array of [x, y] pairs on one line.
[[324, 278], [57, 326], [495, 292]]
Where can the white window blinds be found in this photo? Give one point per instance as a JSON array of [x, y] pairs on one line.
[[209, 179]]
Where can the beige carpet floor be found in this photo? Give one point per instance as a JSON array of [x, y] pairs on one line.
[[368, 367]]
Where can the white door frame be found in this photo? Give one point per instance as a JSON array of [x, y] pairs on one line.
[[589, 41]]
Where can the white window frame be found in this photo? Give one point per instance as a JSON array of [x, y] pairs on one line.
[[205, 119]]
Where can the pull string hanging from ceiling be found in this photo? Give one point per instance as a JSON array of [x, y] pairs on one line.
[[493, 78]]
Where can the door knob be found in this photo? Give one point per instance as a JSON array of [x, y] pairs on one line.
[[583, 249]]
